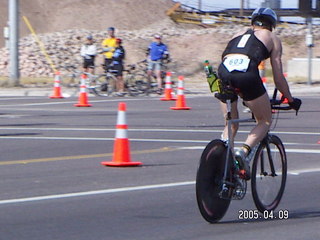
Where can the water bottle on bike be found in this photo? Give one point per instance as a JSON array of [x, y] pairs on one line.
[[212, 78]]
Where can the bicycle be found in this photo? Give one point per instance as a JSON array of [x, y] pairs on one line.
[[104, 84], [219, 179], [137, 79], [135, 82], [100, 85]]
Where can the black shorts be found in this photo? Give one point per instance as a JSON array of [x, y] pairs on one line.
[[88, 63], [119, 68], [249, 83], [107, 63]]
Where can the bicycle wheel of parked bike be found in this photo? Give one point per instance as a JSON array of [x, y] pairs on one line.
[[103, 85], [136, 84], [269, 174], [209, 182]]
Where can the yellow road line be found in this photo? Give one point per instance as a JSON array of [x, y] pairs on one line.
[[64, 158]]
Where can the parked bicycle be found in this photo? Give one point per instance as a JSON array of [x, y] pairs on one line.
[[100, 85], [136, 79], [219, 180]]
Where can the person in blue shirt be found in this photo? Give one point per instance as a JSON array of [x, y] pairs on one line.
[[117, 64], [157, 52]]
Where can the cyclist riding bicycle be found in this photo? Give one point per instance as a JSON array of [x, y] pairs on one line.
[[239, 68]]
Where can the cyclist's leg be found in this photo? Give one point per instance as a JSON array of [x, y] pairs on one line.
[[261, 110], [149, 73], [158, 74], [120, 82], [234, 115], [91, 67]]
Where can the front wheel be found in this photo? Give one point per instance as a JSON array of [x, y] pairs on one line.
[[209, 182], [269, 174], [103, 85], [136, 84]]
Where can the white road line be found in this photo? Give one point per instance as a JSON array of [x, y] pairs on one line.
[[154, 140], [150, 130], [125, 189], [291, 150], [72, 102], [88, 193], [104, 139], [307, 170]]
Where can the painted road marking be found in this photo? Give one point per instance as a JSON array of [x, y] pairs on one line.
[[290, 150], [158, 150], [150, 130], [124, 189], [105, 191], [69, 102], [64, 158], [152, 140]]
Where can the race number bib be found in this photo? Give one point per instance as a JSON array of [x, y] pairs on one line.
[[237, 62]]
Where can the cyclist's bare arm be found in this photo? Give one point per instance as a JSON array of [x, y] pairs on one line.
[[276, 63]]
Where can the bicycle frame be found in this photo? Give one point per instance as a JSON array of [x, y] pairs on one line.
[[219, 177], [230, 150], [230, 142]]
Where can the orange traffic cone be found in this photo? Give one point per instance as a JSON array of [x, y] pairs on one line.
[[56, 87], [264, 82], [181, 102], [83, 96], [168, 89], [121, 151]]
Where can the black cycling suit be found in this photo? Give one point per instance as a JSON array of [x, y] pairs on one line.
[[247, 80]]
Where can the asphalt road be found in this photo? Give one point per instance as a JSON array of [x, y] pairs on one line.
[[54, 187]]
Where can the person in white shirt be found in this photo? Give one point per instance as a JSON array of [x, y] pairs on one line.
[[88, 52]]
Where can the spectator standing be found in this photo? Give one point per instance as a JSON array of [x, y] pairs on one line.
[[157, 52], [108, 46], [117, 64], [88, 52]]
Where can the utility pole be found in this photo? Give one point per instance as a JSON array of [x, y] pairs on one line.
[[13, 42], [309, 43], [200, 4], [241, 8]]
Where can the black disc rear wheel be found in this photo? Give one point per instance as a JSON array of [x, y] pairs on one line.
[[208, 182]]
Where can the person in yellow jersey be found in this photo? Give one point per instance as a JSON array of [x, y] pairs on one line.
[[108, 46]]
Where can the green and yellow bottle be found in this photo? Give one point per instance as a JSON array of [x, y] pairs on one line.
[[212, 78]]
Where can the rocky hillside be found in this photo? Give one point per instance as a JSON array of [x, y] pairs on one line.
[[189, 46], [48, 16]]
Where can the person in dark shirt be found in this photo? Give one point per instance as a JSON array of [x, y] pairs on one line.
[[117, 64]]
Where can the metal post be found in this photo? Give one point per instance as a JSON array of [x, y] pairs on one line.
[[14, 42], [309, 42], [241, 8], [200, 5]]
